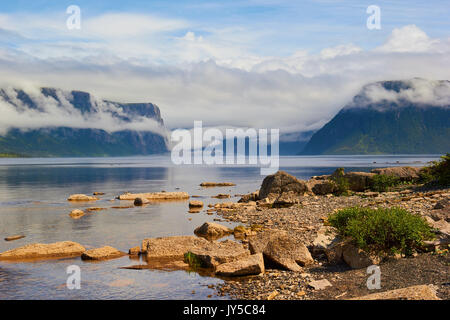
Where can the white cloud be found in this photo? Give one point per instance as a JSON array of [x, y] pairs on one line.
[[60, 112], [419, 91], [410, 39], [216, 78]]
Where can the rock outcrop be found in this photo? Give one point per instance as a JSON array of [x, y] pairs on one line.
[[102, 253], [403, 173], [273, 186], [217, 184], [171, 247], [76, 214], [155, 196], [216, 253], [280, 250], [62, 249], [420, 292], [81, 197], [251, 265], [212, 230]]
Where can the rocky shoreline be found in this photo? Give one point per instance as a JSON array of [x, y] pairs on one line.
[[304, 221], [284, 248]]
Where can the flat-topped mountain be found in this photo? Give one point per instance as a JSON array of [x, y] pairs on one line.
[[389, 117], [54, 122]]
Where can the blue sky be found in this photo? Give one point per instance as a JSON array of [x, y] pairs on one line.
[[279, 27], [288, 64]]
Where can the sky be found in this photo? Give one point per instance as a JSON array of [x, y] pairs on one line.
[[283, 64]]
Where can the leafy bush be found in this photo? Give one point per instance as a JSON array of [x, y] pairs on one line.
[[382, 231], [438, 172], [342, 185], [383, 183]]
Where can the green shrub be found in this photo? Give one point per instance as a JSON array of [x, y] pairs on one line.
[[382, 231], [438, 172], [383, 183]]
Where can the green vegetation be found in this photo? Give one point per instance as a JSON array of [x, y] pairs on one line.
[[192, 260], [438, 173], [382, 231], [342, 184], [11, 155], [383, 183]]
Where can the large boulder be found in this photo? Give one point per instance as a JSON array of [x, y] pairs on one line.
[[403, 173], [102, 253], [171, 247], [212, 230], [251, 265], [357, 258], [254, 196], [216, 253], [323, 187], [275, 185], [419, 292], [344, 251], [62, 249], [280, 250], [359, 181]]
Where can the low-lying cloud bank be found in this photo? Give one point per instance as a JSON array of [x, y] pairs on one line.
[[295, 94], [420, 92], [46, 112]]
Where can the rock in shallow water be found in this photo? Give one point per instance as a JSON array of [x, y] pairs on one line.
[[42, 251], [252, 265], [76, 214], [81, 197], [102, 253]]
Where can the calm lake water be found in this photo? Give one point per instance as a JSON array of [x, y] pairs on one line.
[[33, 202]]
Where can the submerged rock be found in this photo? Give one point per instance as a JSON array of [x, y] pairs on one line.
[[42, 251], [76, 214], [217, 184], [155, 196], [102, 253], [81, 197], [195, 204], [251, 265], [140, 201]]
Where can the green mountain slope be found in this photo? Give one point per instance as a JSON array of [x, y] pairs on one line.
[[65, 141], [385, 127]]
